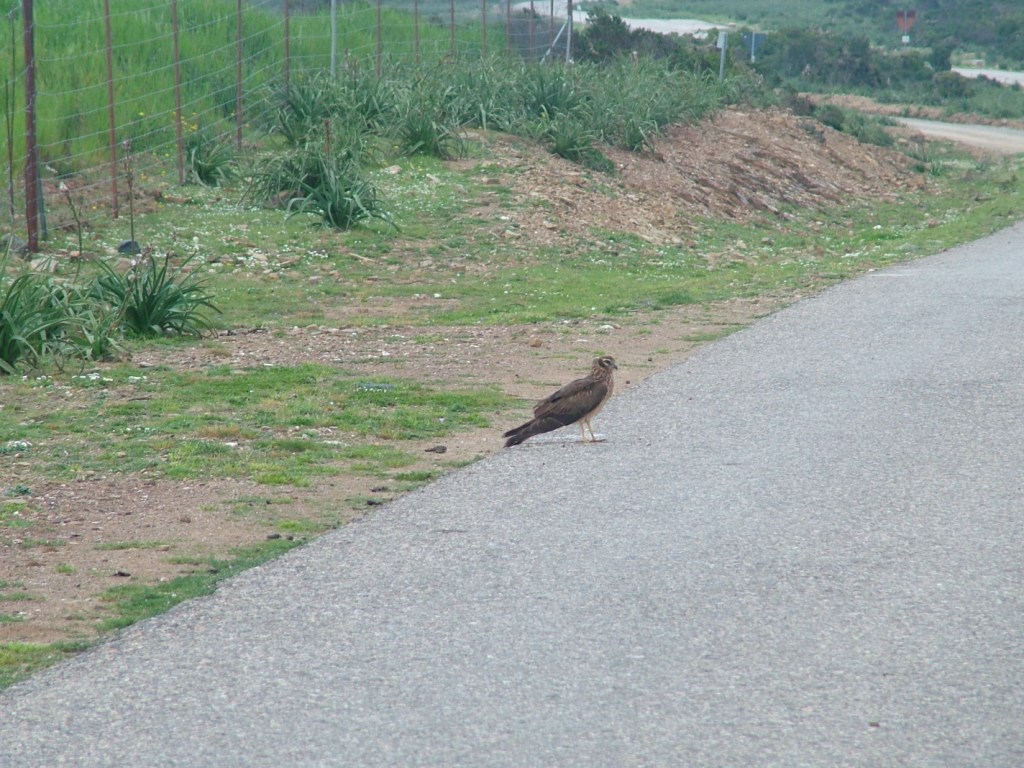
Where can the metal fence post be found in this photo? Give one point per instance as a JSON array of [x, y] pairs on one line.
[[111, 120], [177, 92], [31, 168], [238, 75]]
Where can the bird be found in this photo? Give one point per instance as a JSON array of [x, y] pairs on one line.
[[578, 401]]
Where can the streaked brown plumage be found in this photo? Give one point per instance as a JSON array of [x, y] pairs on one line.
[[578, 401]]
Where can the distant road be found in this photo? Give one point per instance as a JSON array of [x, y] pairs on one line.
[[994, 138], [999, 75], [672, 26]]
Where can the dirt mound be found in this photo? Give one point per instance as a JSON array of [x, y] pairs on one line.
[[740, 164]]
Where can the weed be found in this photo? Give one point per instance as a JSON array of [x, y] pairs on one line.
[[424, 130]]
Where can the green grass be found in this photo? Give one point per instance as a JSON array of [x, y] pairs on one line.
[[11, 516], [115, 546], [19, 660], [16, 597], [267, 423], [131, 603], [135, 602], [71, 74]]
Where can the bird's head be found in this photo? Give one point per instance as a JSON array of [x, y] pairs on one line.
[[606, 364]]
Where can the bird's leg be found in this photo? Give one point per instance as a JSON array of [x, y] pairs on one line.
[[583, 434]]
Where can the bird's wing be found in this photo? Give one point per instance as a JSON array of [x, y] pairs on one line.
[[573, 401]]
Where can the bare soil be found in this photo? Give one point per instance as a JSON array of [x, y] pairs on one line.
[[78, 542]]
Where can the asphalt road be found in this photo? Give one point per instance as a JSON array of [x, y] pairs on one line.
[[994, 138], [803, 546], [1004, 76]]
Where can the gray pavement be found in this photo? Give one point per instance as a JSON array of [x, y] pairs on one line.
[[993, 138], [803, 546]]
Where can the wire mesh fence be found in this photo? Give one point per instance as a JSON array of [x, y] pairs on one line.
[[90, 86]]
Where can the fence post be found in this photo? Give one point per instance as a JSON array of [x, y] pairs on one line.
[[238, 75], [416, 30], [568, 33], [287, 49], [451, 27], [112, 127], [334, 39], [177, 92], [380, 44], [9, 99], [31, 179], [551, 21], [531, 44]]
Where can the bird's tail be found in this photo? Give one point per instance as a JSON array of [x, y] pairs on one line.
[[519, 434], [531, 428]]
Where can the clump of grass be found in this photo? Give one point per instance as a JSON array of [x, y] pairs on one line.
[[152, 298], [571, 138], [336, 191], [32, 319], [322, 177], [424, 128], [209, 161]]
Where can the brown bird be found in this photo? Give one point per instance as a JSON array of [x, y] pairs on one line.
[[578, 401]]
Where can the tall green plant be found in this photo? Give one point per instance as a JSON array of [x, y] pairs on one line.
[[32, 318], [335, 190], [153, 298]]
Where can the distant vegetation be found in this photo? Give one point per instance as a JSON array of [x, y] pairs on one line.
[[827, 58], [815, 60], [993, 31]]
